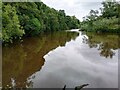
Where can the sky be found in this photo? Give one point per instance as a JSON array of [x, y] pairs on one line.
[[79, 8]]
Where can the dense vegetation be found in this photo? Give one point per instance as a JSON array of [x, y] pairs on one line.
[[107, 21], [32, 18]]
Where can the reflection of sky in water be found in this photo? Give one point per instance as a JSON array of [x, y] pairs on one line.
[[76, 64]]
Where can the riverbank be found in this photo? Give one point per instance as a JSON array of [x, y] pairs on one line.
[[102, 26], [31, 19], [104, 20]]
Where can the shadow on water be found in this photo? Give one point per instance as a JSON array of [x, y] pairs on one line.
[[21, 60]]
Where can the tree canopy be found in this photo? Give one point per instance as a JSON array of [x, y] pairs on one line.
[[32, 18], [107, 21]]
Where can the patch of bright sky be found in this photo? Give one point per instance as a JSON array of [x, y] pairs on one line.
[[79, 8]]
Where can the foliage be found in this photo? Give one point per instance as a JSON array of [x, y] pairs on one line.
[[110, 9], [109, 25], [0, 20], [103, 25], [106, 22], [35, 18], [11, 28]]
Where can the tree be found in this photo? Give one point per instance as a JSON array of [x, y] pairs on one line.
[[110, 9], [11, 28], [34, 18]]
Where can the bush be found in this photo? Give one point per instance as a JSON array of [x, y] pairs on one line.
[[103, 25]]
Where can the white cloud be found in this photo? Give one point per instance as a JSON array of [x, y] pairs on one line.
[[79, 8]]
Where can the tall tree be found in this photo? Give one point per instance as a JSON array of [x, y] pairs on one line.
[[11, 28], [110, 9]]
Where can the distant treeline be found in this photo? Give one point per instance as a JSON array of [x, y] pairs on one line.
[[108, 21], [32, 18]]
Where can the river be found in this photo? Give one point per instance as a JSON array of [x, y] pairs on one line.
[[56, 59]]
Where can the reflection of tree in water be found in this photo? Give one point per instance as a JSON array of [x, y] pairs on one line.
[[21, 60], [105, 51], [104, 42]]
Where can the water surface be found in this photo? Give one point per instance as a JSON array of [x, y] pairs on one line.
[[69, 58]]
